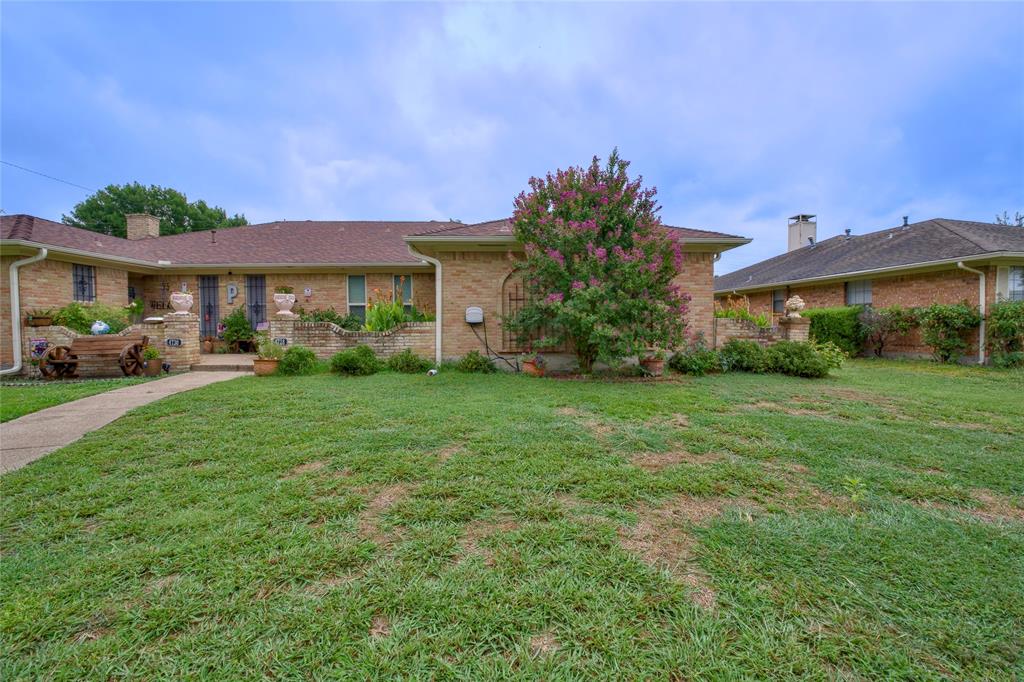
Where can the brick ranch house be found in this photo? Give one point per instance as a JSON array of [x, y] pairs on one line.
[[911, 265], [443, 268]]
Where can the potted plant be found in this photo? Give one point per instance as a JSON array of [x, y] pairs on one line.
[[181, 301], [39, 318], [653, 362], [533, 364], [237, 331], [284, 299], [151, 361], [268, 355]]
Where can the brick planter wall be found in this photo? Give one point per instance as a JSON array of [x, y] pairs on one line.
[[727, 328], [325, 339]]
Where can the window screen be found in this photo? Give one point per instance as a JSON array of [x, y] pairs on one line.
[[859, 292], [779, 301], [1015, 289], [357, 296]]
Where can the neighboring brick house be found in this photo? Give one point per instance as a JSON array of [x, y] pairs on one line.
[[911, 265], [329, 264]]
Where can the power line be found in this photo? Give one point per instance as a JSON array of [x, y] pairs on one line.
[[50, 177]]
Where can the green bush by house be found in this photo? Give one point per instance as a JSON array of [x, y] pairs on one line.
[[297, 360], [840, 326], [358, 361]]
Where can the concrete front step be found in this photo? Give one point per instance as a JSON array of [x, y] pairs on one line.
[[221, 368]]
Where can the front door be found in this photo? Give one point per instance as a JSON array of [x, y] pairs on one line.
[[256, 299], [209, 309]]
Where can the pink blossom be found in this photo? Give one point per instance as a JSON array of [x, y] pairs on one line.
[[556, 255], [577, 285], [554, 297], [594, 281]]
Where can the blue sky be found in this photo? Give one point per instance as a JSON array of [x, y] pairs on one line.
[[740, 114]]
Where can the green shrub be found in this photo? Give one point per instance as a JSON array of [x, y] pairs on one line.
[[796, 359], [1006, 333], [840, 326], [416, 315], [761, 320], [350, 322], [298, 360], [476, 363], [696, 359], [408, 362], [237, 328], [833, 354], [150, 353], [945, 328], [383, 316], [743, 356], [80, 318], [879, 326], [358, 361], [266, 349]]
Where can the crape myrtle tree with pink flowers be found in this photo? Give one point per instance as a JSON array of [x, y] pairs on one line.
[[598, 267]]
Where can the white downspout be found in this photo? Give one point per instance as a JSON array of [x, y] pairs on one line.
[[981, 309], [438, 298], [16, 309]]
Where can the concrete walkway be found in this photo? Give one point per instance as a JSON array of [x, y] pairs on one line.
[[28, 438]]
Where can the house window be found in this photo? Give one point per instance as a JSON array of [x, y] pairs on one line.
[[859, 292], [403, 291], [1015, 288], [779, 301], [357, 296], [83, 278]]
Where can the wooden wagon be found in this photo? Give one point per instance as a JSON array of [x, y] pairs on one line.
[[61, 362]]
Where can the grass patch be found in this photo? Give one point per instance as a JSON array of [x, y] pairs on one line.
[[17, 400], [494, 526]]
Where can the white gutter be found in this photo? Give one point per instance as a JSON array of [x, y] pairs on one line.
[[16, 309], [981, 309], [438, 298]]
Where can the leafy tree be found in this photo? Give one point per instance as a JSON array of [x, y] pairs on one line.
[[599, 265], [880, 326], [1017, 220], [104, 211]]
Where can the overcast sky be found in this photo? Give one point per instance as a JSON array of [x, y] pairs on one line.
[[741, 115]]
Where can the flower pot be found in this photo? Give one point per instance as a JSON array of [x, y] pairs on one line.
[[284, 303], [653, 366], [38, 321], [151, 368], [181, 302], [262, 367], [531, 368], [207, 346]]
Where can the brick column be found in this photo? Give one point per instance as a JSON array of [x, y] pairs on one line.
[[795, 328], [180, 345], [282, 328]]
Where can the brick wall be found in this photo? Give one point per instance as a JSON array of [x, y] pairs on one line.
[[181, 357], [472, 278], [727, 328], [48, 285], [697, 279], [326, 339]]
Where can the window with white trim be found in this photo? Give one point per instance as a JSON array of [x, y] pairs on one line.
[[403, 290], [357, 296], [858, 292], [778, 300], [1015, 284], [83, 282]]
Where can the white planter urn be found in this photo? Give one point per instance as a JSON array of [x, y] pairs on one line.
[[284, 303], [793, 306], [181, 302]]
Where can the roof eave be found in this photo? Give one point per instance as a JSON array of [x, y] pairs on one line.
[[872, 271]]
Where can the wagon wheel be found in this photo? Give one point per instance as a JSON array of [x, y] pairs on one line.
[[57, 362], [131, 360]]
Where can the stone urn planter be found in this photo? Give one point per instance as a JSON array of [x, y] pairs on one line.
[[652, 365], [284, 303], [531, 368], [264, 367], [793, 306], [181, 302]]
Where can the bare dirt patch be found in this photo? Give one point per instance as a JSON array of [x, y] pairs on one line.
[[444, 454], [792, 411], [322, 587], [660, 538], [799, 493], [382, 500], [90, 634], [596, 427], [161, 583], [305, 468], [380, 626], [543, 644], [91, 525], [656, 461], [479, 530], [996, 507]]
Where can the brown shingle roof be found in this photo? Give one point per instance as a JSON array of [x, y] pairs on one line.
[[924, 242], [503, 228]]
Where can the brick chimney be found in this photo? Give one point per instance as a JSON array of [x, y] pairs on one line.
[[142, 225], [803, 231]]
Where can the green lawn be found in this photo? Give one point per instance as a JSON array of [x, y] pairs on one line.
[[21, 399], [866, 526]]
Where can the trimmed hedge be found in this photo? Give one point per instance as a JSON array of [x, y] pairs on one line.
[[839, 326], [297, 360], [358, 361]]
